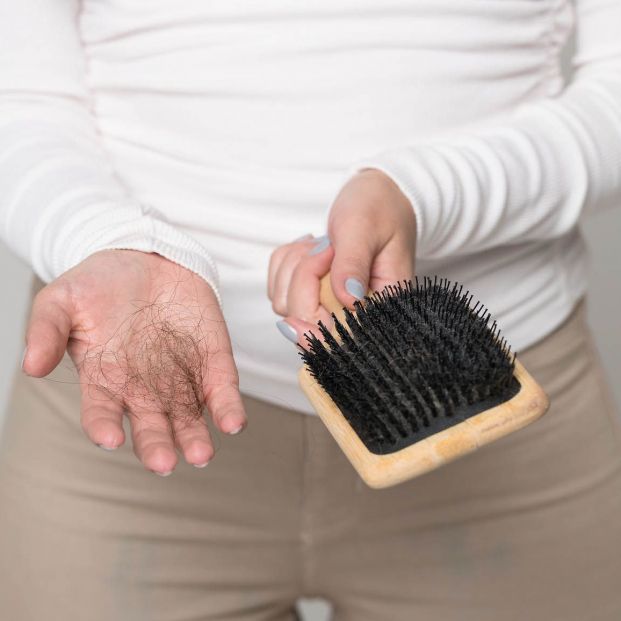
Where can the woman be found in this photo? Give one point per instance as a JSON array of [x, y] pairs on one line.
[[157, 159]]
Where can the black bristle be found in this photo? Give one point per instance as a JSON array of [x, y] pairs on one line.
[[413, 359]]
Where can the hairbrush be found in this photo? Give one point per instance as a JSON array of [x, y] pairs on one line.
[[414, 377]]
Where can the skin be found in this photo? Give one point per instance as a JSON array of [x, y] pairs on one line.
[[96, 312], [372, 230]]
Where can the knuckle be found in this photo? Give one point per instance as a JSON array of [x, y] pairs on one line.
[[141, 437], [225, 361], [279, 306], [146, 434], [58, 292], [41, 297], [276, 257], [218, 381], [278, 251], [279, 298], [271, 267], [303, 270], [352, 264]]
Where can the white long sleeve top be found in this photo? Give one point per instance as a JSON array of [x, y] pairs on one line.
[[212, 132]]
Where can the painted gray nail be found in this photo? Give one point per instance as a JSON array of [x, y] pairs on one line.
[[354, 287], [107, 448], [322, 243], [162, 474], [203, 465], [21, 364], [287, 331]]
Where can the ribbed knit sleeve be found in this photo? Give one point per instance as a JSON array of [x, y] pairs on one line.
[[531, 176], [60, 199]]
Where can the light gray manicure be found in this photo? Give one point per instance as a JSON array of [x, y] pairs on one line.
[[287, 331], [354, 287], [322, 243]]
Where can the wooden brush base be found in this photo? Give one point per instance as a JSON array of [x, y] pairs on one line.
[[379, 471]]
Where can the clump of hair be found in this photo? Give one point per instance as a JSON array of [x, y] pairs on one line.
[[155, 361]]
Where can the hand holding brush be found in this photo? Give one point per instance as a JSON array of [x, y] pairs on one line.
[[417, 375], [371, 243]]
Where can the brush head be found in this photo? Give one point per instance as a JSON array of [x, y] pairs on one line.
[[412, 360]]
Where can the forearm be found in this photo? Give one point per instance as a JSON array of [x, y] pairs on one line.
[[531, 176], [60, 198]]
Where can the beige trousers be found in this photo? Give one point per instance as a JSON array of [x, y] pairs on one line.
[[526, 529]]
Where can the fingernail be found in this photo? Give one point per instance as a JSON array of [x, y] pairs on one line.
[[236, 431], [287, 331], [302, 238], [21, 364], [354, 287], [322, 243], [107, 448], [162, 474], [200, 465]]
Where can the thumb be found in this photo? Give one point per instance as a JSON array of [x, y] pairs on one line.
[[354, 252], [373, 231], [47, 334]]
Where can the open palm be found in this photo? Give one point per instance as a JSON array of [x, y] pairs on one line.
[[148, 340]]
